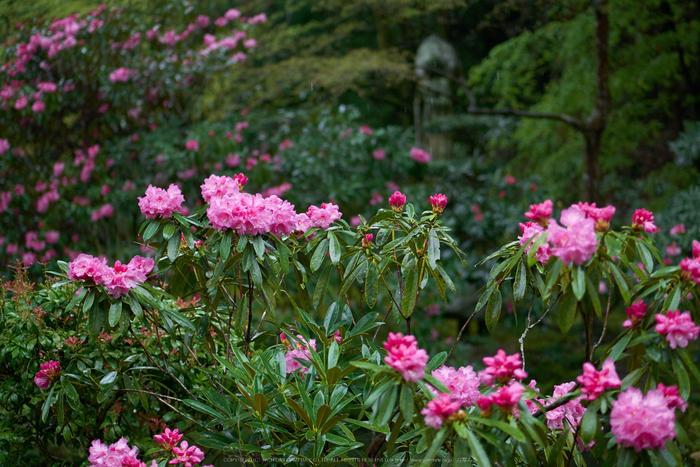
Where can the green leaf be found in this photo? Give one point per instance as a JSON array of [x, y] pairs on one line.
[[590, 425], [178, 318], [151, 230], [203, 408], [672, 301], [578, 283], [386, 406], [70, 391], [372, 285], [108, 379], [493, 310], [406, 402], [77, 299], [115, 313], [334, 247], [225, 247], [319, 255], [333, 352], [242, 242], [174, 246], [364, 324], [647, 259], [510, 430], [410, 290], [485, 297], [621, 281], [321, 287], [47, 405], [567, 312], [593, 296], [520, 284], [627, 458], [169, 230], [89, 300], [433, 249], [436, 361], [482, 459], [136, 307], [259, 246], [331, 316], [619, 347], [682, 375], [437, 443], [613, 245]]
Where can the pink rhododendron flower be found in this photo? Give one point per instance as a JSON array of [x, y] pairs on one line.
[[404, 356], [642, 421], [261, 18], [242, 180], [463, 384], [420, 155], [601, 216], [4, 146], [285, 145], [571, 412], [510, 180], [635, 313], [672, 397], [438, 202], [233, 160], [595, 382], [192, 145], [532, 230], [38, 107], [300, 350], [21, 103], [47, 87], [232, 14], [379, 154], [169, 439], [365, 129], [690, 270], [439, 410], [121, 75], [540, 213], [221, 22], [324, 216], [677, 229], [50, 371], [161, 203], [86, 267], [397, 201], [643, 220], [502, 368], [202, 21], [218, 186], [673, 249], [678, 328], [506, 398], [575, 242], [52, 237]]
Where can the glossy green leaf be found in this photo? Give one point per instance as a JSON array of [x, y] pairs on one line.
[[493, 310]]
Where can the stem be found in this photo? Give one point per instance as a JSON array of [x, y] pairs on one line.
[[250, 314], [459, 336], [605, 323]]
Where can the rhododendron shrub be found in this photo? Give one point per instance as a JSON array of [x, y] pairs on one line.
[[79, 94], [299, 330]]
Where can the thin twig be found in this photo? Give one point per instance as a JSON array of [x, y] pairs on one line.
[[530, 326], [184, 415], [605, 323], [459, 336], [250, 314]]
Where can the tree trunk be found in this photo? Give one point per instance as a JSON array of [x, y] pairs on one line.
[[591, 164]]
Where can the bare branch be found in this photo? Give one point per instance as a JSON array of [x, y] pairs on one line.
[[476, 110]]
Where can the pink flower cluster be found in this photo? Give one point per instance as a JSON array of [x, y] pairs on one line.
[[120, 454], [463, 384], [118, 279], [300, 350], [505, 398], [249, 214], [601, 216], [678, 328], [540, 213], [672, 397], [642, 421], [439, 410], [595, 382], [635, 313], [571, 412], [644, 220], [502, 368], [50, 371], [420, 156], [397, 201], [404, 356], [576, 241], [533, 230], [438, 202], [161, 203], [121, 75], [690, 267]]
